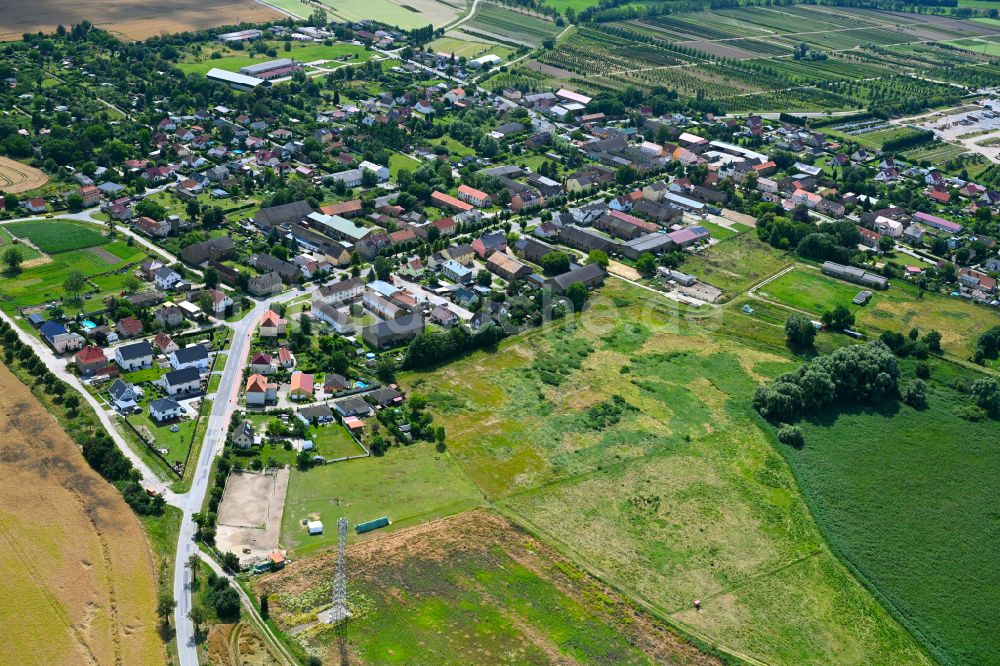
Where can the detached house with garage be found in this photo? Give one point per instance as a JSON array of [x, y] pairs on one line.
[[166, 278], [165, 409], [90, 359], [260, 392], [124, 396]]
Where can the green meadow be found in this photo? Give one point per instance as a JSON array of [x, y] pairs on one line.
[[629, 442]]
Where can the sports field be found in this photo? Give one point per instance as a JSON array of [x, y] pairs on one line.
[[408, 485], [16, 177], [78, 575]]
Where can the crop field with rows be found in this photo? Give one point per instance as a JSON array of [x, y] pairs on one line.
[[520, 27], [599, 51]]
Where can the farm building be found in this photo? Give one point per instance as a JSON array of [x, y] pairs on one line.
[[853, 274], [240, 36], [235, 81], [272, 69]]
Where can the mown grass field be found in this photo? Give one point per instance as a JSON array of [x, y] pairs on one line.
[[409, 485], [908, 498], [303, 52], [736, 264], [900, 309], [672, 493], [55, 236], [469, 590]]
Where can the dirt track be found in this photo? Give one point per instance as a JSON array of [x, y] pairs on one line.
[[78, 574], [14, 176], [133, 20]]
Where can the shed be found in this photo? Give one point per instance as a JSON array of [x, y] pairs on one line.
[[315, 526]]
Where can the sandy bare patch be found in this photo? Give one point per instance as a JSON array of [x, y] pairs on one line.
[[103, 255], [249, 519]]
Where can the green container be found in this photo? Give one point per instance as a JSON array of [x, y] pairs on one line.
[[361, 528]]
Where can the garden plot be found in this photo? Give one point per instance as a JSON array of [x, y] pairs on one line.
[[249, 518]]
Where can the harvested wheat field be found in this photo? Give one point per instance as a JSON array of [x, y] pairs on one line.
[[237, 645], [14, 176], [133, 20], [78, 574]]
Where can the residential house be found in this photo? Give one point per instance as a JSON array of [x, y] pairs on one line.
[[272, 325], [456, 272], [444, 316], [475, 197], [490, 242], [286, 358], [334, 383], [124, 396], [166, 278], [339, 293], [179, 382], [165, 409], [261, 364], [507, 267], [169, 316], [192, 356], [338, 320], [128, 327], [90, 359], [353, 407], [259, 391], [301, 387], [136, 356], [61, 340], [164, 344], [243, 435], [263, 285], [446, 201]]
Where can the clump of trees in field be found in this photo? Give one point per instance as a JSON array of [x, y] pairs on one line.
[[851, 374]]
